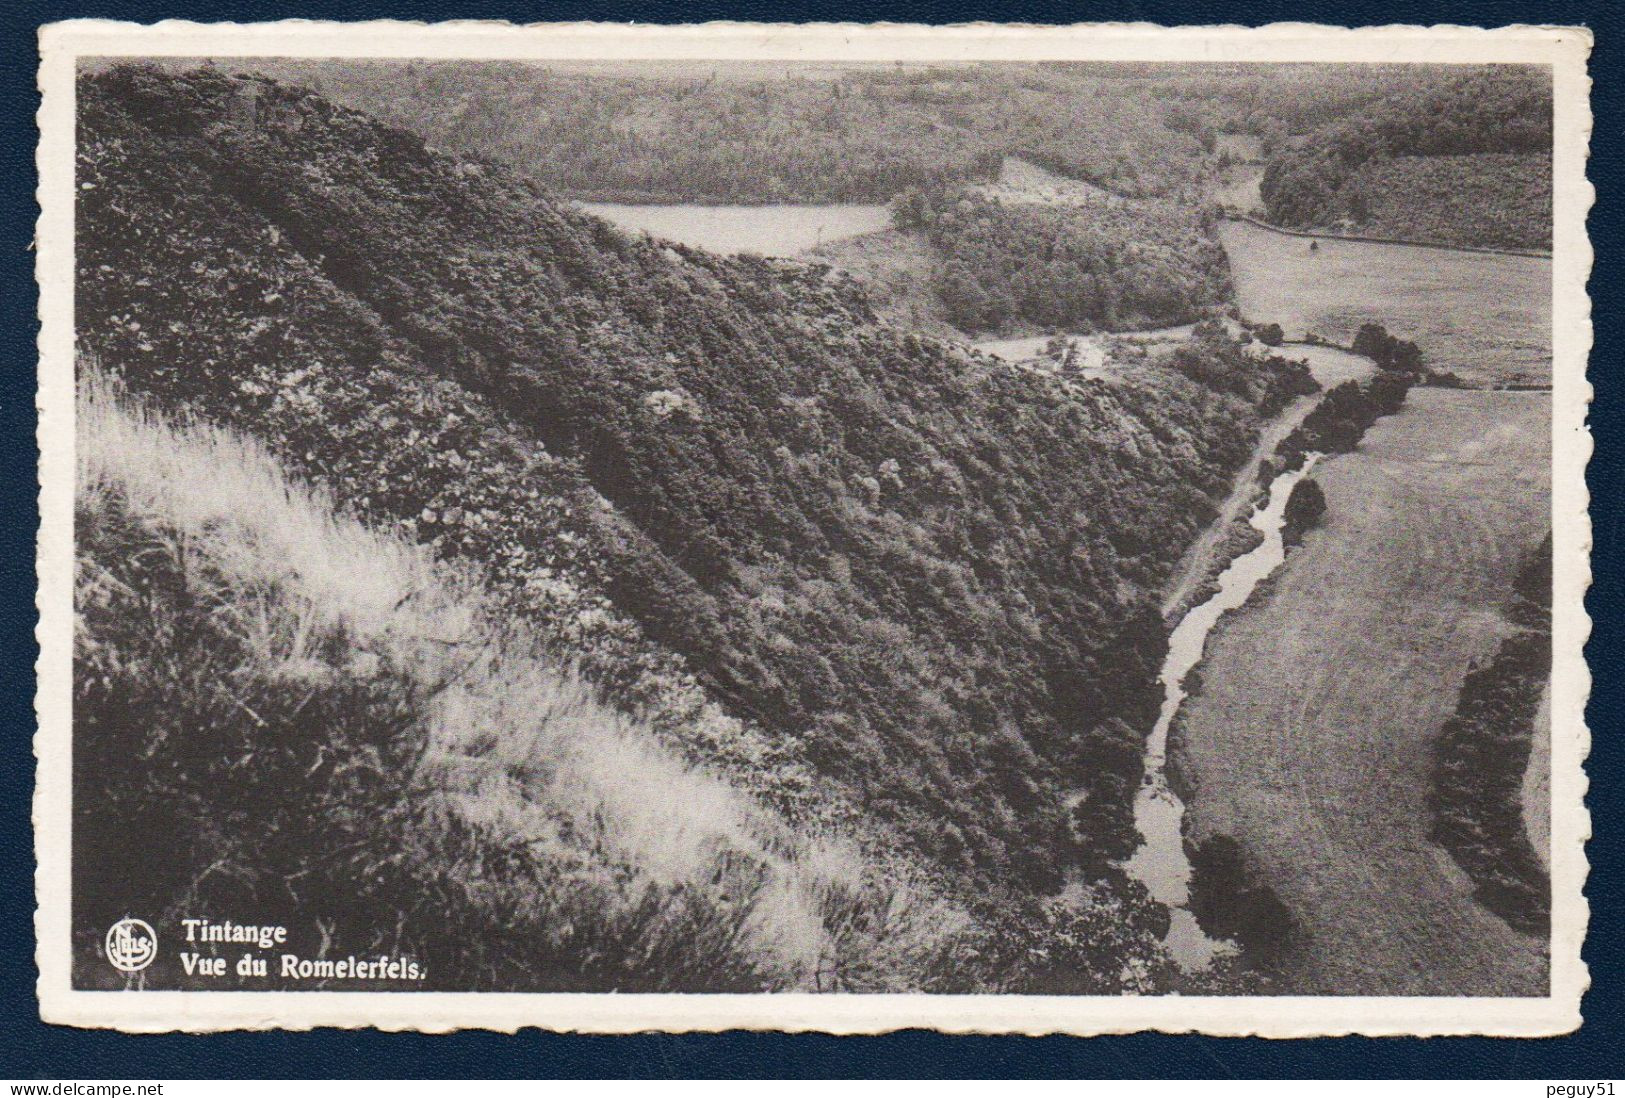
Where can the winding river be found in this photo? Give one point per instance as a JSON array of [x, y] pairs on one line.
[[1311, 738], [1161, 863]]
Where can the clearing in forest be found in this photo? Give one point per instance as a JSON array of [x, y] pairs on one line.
[[778, 231]]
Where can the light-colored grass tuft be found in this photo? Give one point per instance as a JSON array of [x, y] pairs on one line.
[[519, 746]]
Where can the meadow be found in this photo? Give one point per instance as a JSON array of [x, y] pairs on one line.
[[781, 231], [1310, 743], [1486, 318]]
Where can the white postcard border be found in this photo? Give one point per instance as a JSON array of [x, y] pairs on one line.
[[1566, 49]]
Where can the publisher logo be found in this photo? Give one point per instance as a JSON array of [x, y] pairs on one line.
[[131, 945]]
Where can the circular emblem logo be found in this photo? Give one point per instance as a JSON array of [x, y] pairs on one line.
[[131, 945]]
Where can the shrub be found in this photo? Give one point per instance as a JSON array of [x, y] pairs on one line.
[[1344, 414], [1387, 351], [1304, 507], [1230, 902], [1482, 753]]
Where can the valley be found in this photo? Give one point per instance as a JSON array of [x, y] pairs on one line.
[[924, 526]]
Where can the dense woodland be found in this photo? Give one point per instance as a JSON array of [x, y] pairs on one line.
[[1109, 265], [884, 585], [720, 132], [707, 132], [1462, 159]]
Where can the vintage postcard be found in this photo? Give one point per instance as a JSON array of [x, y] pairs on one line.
[[843, 528]]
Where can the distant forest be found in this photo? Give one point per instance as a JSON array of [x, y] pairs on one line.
[[1464, 159], [834, 133]]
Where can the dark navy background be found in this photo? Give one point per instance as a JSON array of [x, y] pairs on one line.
[[29, 1049]]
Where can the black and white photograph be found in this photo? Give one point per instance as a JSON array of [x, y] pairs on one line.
[[738, 536]]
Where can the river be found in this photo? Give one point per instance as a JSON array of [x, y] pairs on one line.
[[1161, 863], [1310, 743]]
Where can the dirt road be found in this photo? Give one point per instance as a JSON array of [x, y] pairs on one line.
[[1311, 740]]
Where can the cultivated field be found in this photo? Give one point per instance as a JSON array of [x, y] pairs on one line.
[[766, 230], [1310, 742], [1485, 317]]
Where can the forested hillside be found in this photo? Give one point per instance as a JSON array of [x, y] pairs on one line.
[[1463, 159], [709, 132], [881, 584]]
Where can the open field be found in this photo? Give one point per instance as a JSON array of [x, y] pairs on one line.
[[1485, 317], [1238, 187], [1310, 741], [1094, 347], [1023, 181], [766, 230], [1243, 147], [1237, 183]]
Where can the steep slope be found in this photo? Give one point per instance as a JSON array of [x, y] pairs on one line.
[[877, 580], [322, 710]]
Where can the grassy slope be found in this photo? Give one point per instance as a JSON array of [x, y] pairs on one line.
[[1536, 792], [895, 269], [1311, 739], [874, 580], [305, 694]]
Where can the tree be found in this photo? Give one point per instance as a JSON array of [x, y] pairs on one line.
[[1304, 508], [1270, 335]]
